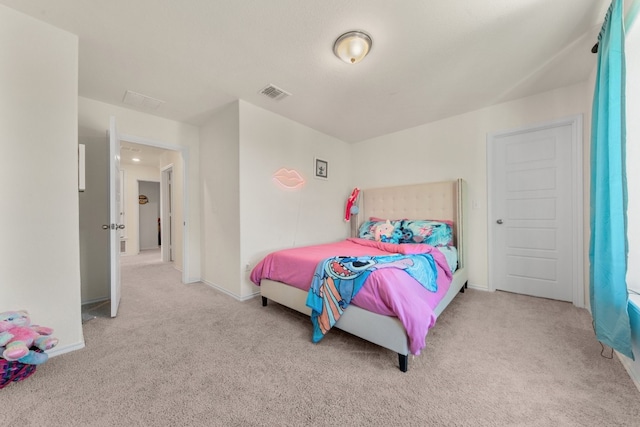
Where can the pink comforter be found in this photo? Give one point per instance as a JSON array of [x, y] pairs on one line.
[[411, 303]]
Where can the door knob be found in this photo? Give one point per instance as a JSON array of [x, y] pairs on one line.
[[499, 221], [113, 226]]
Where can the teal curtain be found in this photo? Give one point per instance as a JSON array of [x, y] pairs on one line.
[[608, 246]]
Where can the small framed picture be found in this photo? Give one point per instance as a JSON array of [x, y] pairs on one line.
[[322, 169]]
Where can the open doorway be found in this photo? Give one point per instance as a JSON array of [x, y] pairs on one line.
[[154, 201], [155, 161]]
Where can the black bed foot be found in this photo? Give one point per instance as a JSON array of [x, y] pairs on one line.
[[403, 360], [264, 301], [463, 287]]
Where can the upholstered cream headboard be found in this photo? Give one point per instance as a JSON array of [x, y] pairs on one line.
[[435, 200]]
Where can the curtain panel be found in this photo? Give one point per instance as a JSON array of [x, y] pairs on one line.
[[608, 247]]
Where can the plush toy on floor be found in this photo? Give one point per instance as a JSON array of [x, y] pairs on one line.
[[18, 335]]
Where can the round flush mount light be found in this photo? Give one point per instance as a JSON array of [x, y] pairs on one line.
[[352, 46]]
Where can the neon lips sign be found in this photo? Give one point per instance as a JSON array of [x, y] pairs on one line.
[[288, 178]]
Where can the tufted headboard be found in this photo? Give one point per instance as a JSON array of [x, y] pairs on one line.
[[435, 200]]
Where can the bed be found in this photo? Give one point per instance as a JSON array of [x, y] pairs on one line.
[[441, 201]]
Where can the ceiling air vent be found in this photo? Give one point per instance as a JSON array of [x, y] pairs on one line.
[[141, 101], [274, 92]]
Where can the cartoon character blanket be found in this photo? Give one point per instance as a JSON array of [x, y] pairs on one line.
[[338, 279]]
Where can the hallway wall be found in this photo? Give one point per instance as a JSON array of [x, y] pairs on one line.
[[148, 215], [40, 260]]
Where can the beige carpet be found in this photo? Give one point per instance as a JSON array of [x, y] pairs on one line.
[[188, 355]]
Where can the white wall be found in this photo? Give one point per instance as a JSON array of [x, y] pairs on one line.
[[95, 115], [219, 163], [456, 148], [632, 50], [633, 155], [245, 213], [40, 267], [272, 217]]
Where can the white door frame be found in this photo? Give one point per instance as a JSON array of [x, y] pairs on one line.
[[166, 214], [185, 191], [577, 188]]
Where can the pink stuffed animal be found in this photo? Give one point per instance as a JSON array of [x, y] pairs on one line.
[[18, 335]]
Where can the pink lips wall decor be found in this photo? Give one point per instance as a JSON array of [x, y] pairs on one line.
[[288, 178]]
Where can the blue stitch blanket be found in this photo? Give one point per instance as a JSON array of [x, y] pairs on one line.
[[338, 279]]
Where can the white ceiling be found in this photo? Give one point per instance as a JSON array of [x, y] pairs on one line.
[[147, 155], [430, 59]]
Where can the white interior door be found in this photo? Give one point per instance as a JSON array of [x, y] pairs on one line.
[[115, 213], [531, 217]]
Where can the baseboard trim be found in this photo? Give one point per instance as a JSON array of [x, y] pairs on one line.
[[628, 365], [479, 288], [57, 351], [251, 296], [232, 295], [633, 367], [93, 301]]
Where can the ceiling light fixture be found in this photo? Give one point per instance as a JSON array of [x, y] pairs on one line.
[[352, 46]]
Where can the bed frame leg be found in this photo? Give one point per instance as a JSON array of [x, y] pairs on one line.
[[463, 287], [403, 360], [264, 301]]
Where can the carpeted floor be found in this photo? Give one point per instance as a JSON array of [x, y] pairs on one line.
[[188, 355]]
